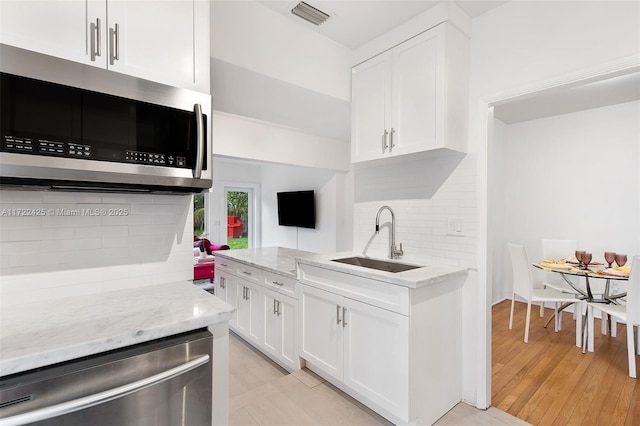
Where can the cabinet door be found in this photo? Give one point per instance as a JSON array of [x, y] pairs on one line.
[[243, 318], [255, 302], [60, 28], [370, 108], [321, 329], [233, 294], [418, 93], [287, 314], [155, 40], [271, 341], [376, 355], [221, 280]]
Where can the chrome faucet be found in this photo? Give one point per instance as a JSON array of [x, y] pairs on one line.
[[393, 252]]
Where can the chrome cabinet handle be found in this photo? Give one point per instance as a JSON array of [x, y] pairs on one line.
[[96, 45], [246, 272], [344, 317], [102, 397], [385, 145], [197, 170], [393, 132], [114, 42], [279, 305], [222, 285], [277, 283], [338, 314], [275, 310], [223, 264]]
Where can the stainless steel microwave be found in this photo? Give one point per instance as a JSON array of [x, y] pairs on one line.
[[69, 126]]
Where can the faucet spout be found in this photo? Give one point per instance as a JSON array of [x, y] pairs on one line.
[[393, 252]]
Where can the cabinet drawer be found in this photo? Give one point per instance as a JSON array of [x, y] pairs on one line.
[[377, 293], [248, 273], [282, 284], [225, 265]]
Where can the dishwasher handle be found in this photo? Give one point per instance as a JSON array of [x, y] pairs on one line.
[[101, 397]]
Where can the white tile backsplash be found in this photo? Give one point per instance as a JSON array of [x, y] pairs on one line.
[[85, 243], [421, 222]]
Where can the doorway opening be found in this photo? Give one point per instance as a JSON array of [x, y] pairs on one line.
[[539, 140], [240, 213]]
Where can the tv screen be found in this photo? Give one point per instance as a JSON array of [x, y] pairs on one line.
[[297, 209]]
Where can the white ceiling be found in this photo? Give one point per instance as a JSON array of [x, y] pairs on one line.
[[355, 22]]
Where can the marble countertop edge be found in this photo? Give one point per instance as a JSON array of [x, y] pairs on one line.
[[42, 335], [415, 278]]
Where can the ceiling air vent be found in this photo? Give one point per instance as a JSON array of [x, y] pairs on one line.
[[309, 13]]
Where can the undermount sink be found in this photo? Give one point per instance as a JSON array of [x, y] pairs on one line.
[[380, 265]]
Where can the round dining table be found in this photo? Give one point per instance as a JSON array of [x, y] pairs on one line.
[[586, 294]]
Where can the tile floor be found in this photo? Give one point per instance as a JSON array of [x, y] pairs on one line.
[[262, 393]]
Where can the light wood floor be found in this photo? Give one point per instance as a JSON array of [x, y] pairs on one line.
[[550, 381], [261, 393]]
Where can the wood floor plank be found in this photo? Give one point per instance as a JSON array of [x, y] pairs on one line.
[[550, 381]]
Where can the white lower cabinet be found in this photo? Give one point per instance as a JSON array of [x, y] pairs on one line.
[[250, 319], [363, 346], [280, 328], [266, 311], [396, 349]]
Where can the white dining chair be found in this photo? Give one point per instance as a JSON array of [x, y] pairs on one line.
[[523, 287], [555, 249], [628, 314]]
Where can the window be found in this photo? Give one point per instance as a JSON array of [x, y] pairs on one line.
[[199, 214]]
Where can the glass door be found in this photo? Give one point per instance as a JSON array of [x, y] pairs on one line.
[[240, 205]]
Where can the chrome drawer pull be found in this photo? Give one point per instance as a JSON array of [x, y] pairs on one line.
[[246, 272], [277, 283], [101, 397]]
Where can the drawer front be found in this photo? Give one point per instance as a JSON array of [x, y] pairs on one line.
[[226, 265], [377, 293], [281, 284], [248, 273]]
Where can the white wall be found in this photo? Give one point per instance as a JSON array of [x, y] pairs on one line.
[[518, 46], [273, 178], [572, 176], [242, 137], [252, 36], [56, 255]]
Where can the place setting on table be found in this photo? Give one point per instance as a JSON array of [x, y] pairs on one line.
[[582, 264]]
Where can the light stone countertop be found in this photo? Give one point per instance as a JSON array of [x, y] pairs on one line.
[[45, 333], [279, 260], [284, 261], [414, 278]]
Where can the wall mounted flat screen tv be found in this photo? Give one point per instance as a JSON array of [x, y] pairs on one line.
[[297, 208]]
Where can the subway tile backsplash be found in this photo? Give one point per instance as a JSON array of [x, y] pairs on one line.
[[54, 244], [421, 221]]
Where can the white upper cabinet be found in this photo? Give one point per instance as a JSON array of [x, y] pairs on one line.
[[56, 28], [165, 41], [412, 98]]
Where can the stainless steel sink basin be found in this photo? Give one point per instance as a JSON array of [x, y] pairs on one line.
[[380, 265]]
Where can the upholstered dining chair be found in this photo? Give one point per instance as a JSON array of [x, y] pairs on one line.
[[523, 287], [629, 314]]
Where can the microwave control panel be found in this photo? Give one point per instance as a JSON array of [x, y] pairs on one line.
[[25, 145]]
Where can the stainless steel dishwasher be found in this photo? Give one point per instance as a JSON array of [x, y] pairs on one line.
[[163, 382]]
